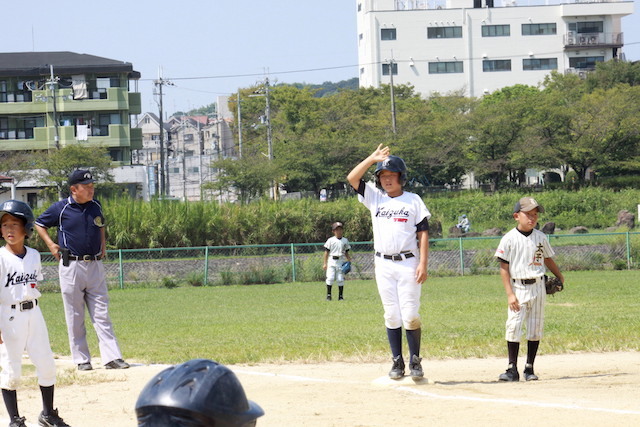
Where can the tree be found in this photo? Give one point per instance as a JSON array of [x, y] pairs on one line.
[[611, 73], [56, 167], [251, 176]]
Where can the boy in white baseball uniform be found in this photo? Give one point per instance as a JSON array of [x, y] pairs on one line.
[[401, 242], [525, 255], [22, 325], [336, 250]]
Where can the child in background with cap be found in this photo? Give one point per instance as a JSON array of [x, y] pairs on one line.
[[525, 255], [336, 250]]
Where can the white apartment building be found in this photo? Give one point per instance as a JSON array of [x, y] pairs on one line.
[[475, 47]]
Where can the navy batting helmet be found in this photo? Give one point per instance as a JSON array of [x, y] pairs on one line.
[[393, 164], [199, 392], [19, 210]]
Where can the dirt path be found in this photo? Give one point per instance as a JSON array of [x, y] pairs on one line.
[[586, 389]]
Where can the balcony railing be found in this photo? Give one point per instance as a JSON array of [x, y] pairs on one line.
[[579, 40]]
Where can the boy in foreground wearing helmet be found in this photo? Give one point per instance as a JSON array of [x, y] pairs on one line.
[[401, 241], [197, 393], [22, 325]]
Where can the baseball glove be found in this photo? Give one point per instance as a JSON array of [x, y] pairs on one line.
[[553, 285], [346, 267]]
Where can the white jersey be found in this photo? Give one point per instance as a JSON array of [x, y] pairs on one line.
[[19, 276], [394, 219], [337, 247], [525, 254]]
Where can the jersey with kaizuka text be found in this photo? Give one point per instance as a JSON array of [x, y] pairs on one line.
[[19, 276], [394, 219]]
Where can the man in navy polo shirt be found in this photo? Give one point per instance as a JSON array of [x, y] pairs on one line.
[[80, 248]]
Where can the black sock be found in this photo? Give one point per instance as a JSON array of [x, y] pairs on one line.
[[514, 349], [11, 402], [329, 290], [413, 340], [532, 350], [340, 289], [47, 399], [395, 341]]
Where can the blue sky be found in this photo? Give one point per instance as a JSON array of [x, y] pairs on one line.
[[234, 43]]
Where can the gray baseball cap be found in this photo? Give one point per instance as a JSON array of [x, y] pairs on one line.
[[527, 204]]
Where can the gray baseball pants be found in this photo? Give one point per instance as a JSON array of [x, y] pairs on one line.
[[83, 283]]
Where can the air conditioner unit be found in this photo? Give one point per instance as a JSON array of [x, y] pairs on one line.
[[593, 40], [571, 41], [583, 40], [582, 74]]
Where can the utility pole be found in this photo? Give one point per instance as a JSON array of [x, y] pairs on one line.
[[393, 99], [274, 185], [239, 127], [53, 83], [164, 176]]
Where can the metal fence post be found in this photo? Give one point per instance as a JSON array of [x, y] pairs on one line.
[[293, 263], [206, 265], [120, 268], [461, 256], [628, 250]]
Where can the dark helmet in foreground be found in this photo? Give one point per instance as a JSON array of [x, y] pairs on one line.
[[19, 210], [199, 392], [393, 164]]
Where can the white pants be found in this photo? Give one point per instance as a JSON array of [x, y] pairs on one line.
[[334, 271], [24, 330], [399, 292], [531, 315]]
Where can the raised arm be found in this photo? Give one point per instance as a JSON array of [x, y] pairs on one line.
[[358, 172]]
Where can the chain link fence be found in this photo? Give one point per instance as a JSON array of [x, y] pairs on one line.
[[265, 264]]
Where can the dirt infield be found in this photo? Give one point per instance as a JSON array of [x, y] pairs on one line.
[[587, 389]]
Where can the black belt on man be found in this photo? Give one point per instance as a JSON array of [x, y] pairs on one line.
[[85, 257], [396, 257], [25, 305], [335, 257], [526, 281]]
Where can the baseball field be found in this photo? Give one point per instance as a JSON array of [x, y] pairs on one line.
[[311, 362]]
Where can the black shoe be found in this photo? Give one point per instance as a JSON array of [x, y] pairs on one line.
[[85, 366], [340, 298], [117, 364], [328, 297], [528, 373], [397, 370], [415, 368], [511, 374], [51, 420], [18, 422]]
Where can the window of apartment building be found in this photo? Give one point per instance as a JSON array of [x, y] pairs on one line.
[[386, 68], [3, 91], [489, 65], [445, 67], [444, 32], [387, 34], [588, 62], [538, 29], [540, 64], [4, 128], [101, 128], [496, 30], [587, 27], [98, 87], [116, 155]]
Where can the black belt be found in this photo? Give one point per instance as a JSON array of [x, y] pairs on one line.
[[25, 305], [85, 257], [396, 257], [335, 257], [526, 281]]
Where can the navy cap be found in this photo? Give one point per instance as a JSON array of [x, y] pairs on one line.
[[80, 176]]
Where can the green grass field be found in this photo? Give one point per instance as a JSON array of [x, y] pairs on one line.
[[462, 317]]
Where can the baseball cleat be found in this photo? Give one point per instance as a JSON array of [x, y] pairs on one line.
[[51, 420], [415, 368], [528, 373], [85, 366], [117, 364], [340, 298], [328, 297], [18, 422], [511, 374], [397, 370]]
